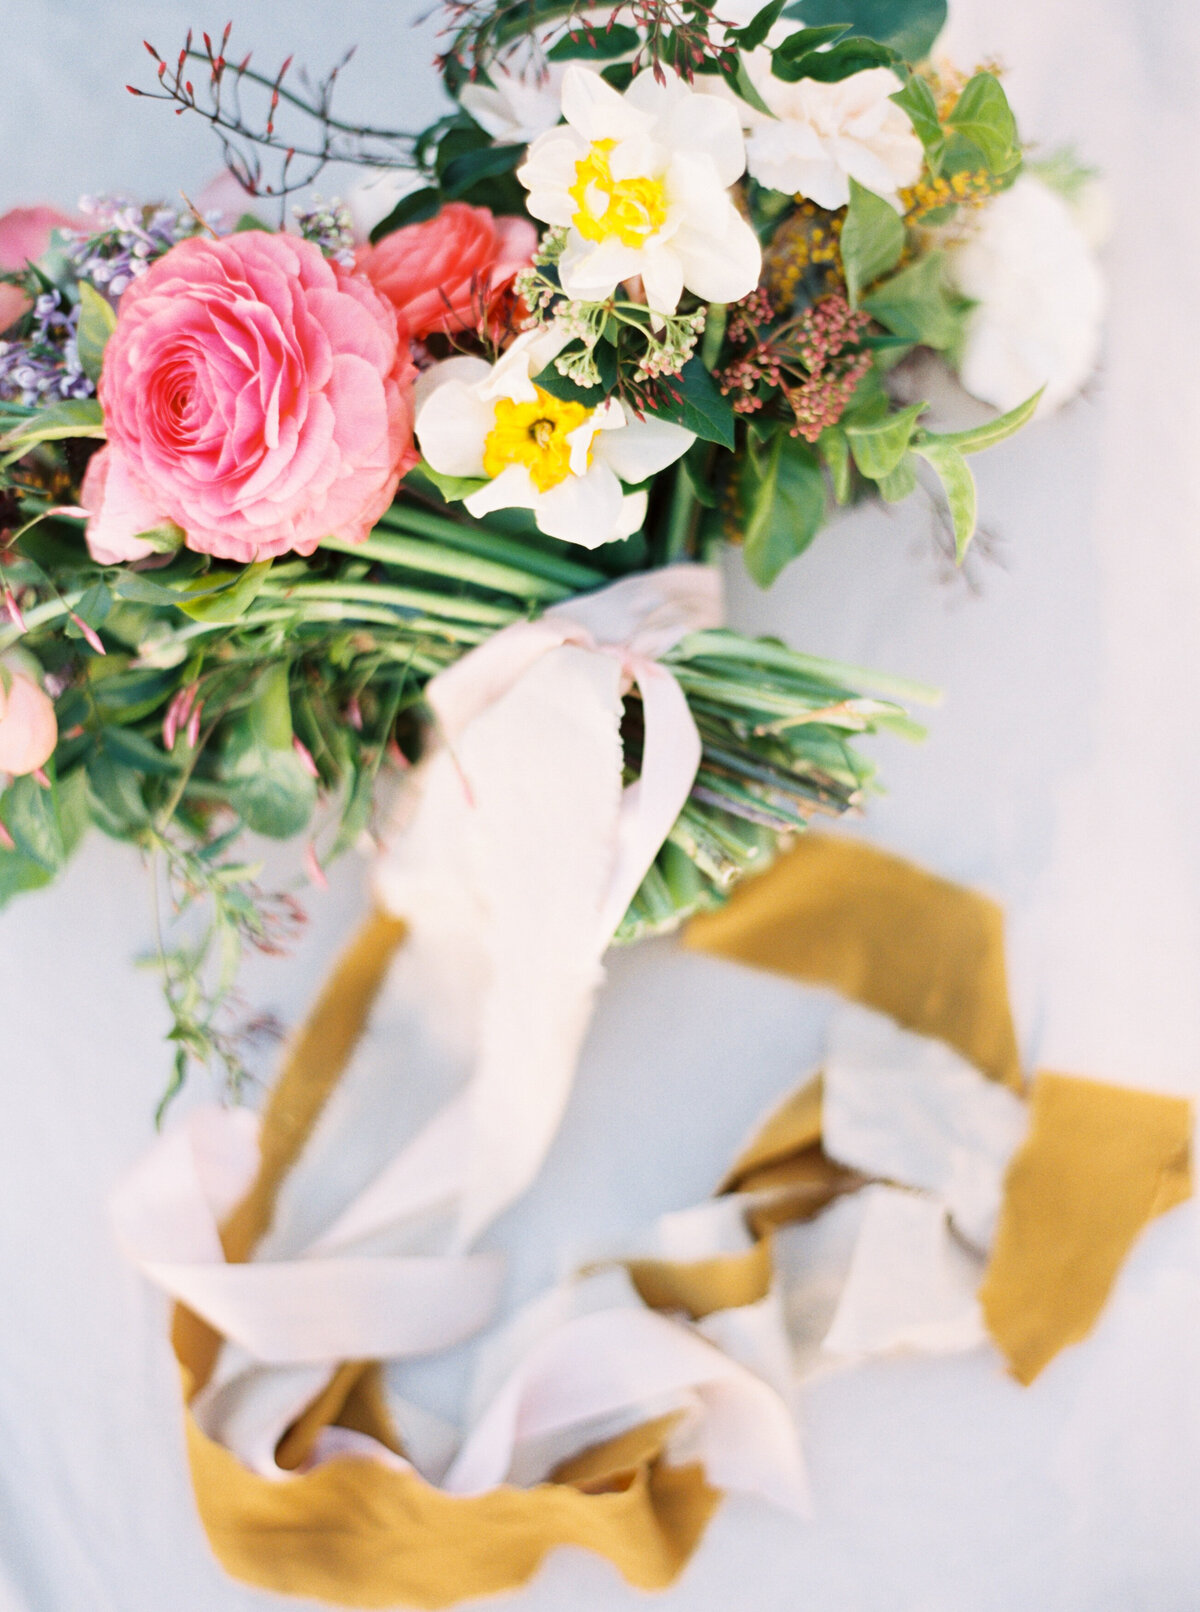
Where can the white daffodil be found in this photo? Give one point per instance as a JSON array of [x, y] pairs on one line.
[[523, 98], [640, 182], [823, 135], [562, 460], [1039, 299]]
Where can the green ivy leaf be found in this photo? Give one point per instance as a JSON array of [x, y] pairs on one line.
[[878, 448], [909, 26], [958, 483], [872, 239], [97, 321], [783, 496], [918, 305], [917, 99], [983, 116], [990, 432]]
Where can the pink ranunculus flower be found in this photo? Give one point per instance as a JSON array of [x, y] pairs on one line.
[[28, 726], [445, 274], [24, 237], [255, 395]]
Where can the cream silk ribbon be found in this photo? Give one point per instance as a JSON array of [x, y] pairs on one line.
[[520, 855]]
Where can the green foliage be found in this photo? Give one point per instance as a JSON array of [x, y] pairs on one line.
[[782, 494], [917, 303], [97, 321], [908, 26], [73, 417], [703, 407], [872, 240], [597, 44], [999, 429], [879, 447], [269, 786], [958, 484], [917, 99], [414, 208], [795, 59], [224, 596], [45, 825], [982, 116]]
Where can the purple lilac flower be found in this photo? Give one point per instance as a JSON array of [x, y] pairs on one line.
[[126, 240], [44, 367], [329, 226]]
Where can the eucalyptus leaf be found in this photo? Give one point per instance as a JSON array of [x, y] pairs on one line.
[[958, 483], [97, 321], [879, 448], [872, 239]]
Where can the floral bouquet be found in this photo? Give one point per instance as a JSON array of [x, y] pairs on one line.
[[650, 288]]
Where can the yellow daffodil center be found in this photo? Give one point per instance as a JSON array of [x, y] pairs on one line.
[[535, 435], [630, 209]]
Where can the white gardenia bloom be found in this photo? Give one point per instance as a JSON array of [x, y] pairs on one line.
[[562, 460], [523, 98], [640, 182], [1040, 299], [823, 135]]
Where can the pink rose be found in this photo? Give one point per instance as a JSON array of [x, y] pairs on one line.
[[28, 727], [256, 396], [444, 275], [24, 237]]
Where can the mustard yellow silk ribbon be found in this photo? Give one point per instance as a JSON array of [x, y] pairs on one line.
[[1098, 1164]]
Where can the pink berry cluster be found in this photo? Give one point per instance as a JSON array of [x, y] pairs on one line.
[[814, 360]]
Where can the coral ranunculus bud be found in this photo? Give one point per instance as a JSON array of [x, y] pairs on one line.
[[443, 275], [28, 726]]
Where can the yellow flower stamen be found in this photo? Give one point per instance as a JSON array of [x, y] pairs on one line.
[[630, 209], [534, 435]]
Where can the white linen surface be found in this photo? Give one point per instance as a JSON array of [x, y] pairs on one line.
[[1062, 775]]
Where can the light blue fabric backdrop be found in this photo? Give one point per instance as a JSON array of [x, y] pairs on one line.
[[1063, 774]]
